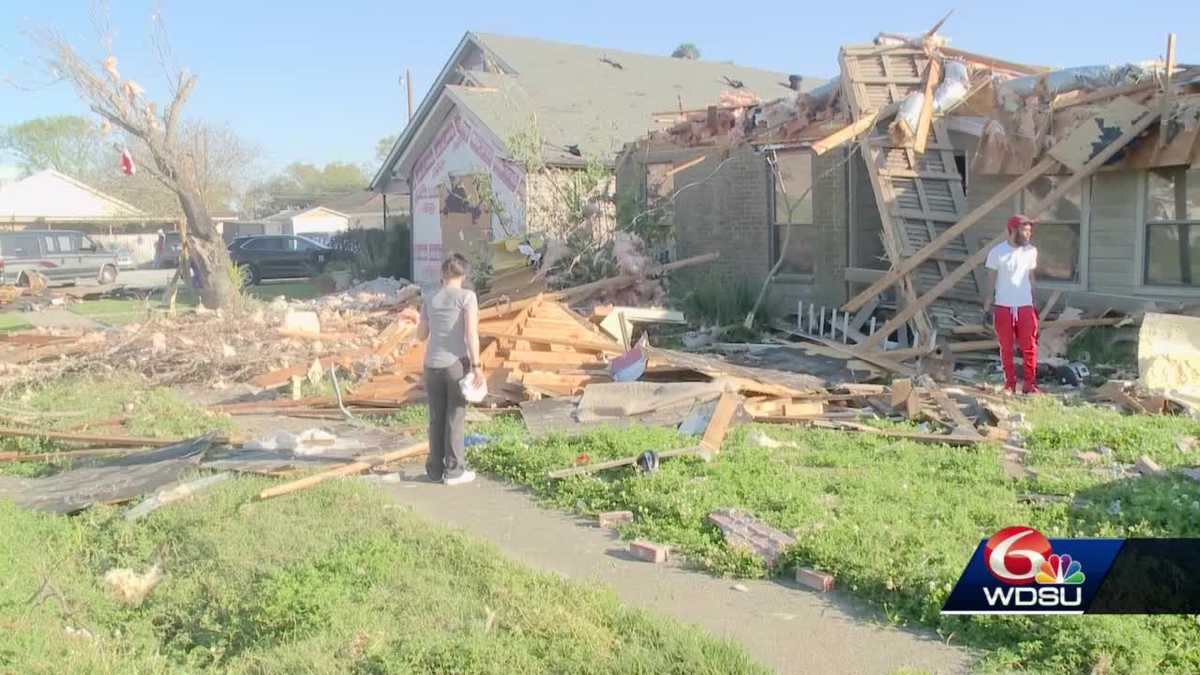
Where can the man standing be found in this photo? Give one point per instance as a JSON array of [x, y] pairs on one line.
[[1011, 264]]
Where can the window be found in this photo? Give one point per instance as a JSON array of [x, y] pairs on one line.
[[65, 244], [264, 244], [301, 244], [792, 213], [49, 244], [1172, 228], [19, 246], [1059, 234]]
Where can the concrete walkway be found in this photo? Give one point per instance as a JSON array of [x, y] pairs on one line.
[[782, 625], [54, 317]]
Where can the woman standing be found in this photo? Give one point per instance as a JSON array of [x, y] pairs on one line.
[[450, 322]]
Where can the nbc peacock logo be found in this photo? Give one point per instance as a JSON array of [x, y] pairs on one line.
[[1060, 569]]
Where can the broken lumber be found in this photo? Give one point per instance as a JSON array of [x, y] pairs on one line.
[[844, 134], [131, 441], [536, 339], [925, 121], [910, 263], [1092, 165], [718, 425], [414, 450]]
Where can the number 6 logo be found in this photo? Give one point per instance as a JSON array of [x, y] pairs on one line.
[[1015, 554]]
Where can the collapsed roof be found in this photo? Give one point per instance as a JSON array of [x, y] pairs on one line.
[[897, 99]]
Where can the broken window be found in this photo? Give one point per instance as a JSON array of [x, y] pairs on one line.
[[1172, 228], [1059, 234], [792, 213]]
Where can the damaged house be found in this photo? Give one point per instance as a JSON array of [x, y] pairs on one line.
[[879, 194], [506, 112]]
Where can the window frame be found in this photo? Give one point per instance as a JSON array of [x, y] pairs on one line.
[[773, 252], [1140, 286], [1085, 219]]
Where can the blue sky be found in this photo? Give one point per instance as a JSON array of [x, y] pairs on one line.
[[318, 81]]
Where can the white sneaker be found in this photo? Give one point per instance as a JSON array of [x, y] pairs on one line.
[[466, 477]]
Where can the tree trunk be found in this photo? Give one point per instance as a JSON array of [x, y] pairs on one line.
[[207, 253]]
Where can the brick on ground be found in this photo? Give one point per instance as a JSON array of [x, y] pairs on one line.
[[611, 520], [649, 551], [818, 581], [742, 530]]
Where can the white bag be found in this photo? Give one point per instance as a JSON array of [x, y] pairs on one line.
[[473, 394]]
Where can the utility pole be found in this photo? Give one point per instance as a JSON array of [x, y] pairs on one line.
[[408, 83]]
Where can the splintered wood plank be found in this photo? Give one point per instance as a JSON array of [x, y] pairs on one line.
[[574, 344], [902, 388], [961, 423], [718, 424], [1089, 139], [574, 358]]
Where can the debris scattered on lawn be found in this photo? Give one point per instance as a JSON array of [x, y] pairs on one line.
[[177, 493], [1147, 466], [131, 587]]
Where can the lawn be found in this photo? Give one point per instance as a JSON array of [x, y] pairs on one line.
[[292, 290], [333, 579], [897, 521], [13, 321]]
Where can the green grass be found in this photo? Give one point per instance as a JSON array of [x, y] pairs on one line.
[[897, 521], [293, 290], [75, 402], [331, 580], [13, 321]]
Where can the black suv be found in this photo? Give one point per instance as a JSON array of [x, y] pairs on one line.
[[281, 256]]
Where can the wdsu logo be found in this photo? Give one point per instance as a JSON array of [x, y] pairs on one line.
[[1020, 557], [1019, 571]]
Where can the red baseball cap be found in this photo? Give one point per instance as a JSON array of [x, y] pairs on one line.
[[1015, 222]]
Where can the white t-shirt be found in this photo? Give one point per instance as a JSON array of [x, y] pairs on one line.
[[1013, 265]]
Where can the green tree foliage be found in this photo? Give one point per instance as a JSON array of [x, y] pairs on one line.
[[302, 185], [384, 146], [686, 50], [65, 143]]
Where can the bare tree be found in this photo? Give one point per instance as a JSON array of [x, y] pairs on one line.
[[162, 136]]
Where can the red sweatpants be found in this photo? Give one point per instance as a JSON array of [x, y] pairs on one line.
[[1023, 325]]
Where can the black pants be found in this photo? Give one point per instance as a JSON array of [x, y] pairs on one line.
[[447, 415]]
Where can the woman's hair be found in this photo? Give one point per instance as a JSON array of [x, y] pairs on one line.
[[454, 266]]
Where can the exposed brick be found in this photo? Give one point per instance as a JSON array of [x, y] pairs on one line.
[[744, 531], [611, 520], [649, 551], [818, 581]]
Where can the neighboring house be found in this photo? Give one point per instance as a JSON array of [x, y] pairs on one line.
[[49, 198], [365, 209], [316, 220], [52, 200], [503, 101], [1121, 239]]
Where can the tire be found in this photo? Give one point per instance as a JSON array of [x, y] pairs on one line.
[[108, 274], [249, 274]]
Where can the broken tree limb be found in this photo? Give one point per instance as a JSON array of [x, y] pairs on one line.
[[414, 450], [1087, 169]]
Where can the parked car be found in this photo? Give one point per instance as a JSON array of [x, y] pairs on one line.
[[280, 256], [166, 250], [62, 256], [125, 259]]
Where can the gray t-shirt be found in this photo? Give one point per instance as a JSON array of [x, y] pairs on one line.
[[445, 310]]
